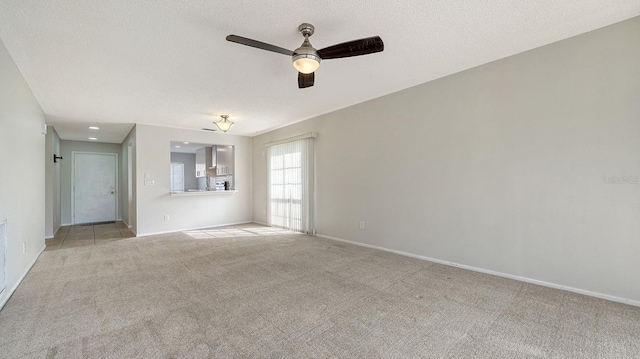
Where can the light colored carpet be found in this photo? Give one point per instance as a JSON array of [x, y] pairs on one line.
[[255, 292]]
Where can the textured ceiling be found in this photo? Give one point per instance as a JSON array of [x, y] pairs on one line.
[[166, 62]]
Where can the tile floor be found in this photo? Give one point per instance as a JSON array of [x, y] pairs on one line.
[[80, 236]]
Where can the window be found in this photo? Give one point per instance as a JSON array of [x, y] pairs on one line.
[[289, 183], [177, 177]]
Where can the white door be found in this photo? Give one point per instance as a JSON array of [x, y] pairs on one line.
[[94, 187]]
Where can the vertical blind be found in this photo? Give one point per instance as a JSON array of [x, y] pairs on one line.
[[177, 177], [290, 181]]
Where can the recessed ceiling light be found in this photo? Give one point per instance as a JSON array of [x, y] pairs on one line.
[[177, 146], [92, 138], [186, 143], [94, 127]]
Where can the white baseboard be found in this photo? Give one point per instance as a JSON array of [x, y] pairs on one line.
[[13, 289], [491, 272], [54, 233], [264, 224], [125, 222], [191, 229]]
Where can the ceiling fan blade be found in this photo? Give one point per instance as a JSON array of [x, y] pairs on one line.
[[364, 46], [305, 80], [258, 44]]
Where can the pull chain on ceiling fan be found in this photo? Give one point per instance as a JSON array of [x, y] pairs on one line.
[[306, 59]]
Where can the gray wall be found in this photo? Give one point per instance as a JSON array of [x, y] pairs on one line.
[[67, 147], [22, 185], [189, 160], [194, 211], [52, 184], [499, 167]]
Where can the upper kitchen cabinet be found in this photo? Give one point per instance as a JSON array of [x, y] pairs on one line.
[[213, 160], [224, 160], [203, 159]]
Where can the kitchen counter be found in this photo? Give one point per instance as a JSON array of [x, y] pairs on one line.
[[201, 193]]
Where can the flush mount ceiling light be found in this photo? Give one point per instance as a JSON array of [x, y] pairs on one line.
[[94, 127], [224, 124], [93, 138]]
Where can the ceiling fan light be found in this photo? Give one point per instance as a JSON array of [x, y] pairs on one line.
[[306, 63], [224, 124]]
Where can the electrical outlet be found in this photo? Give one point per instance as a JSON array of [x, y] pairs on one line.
[[24, 247], [166, 217], [361, 224]]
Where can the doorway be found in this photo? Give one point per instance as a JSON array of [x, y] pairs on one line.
[[94, 186]]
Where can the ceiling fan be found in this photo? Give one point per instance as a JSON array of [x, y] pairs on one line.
[[306, 59]]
